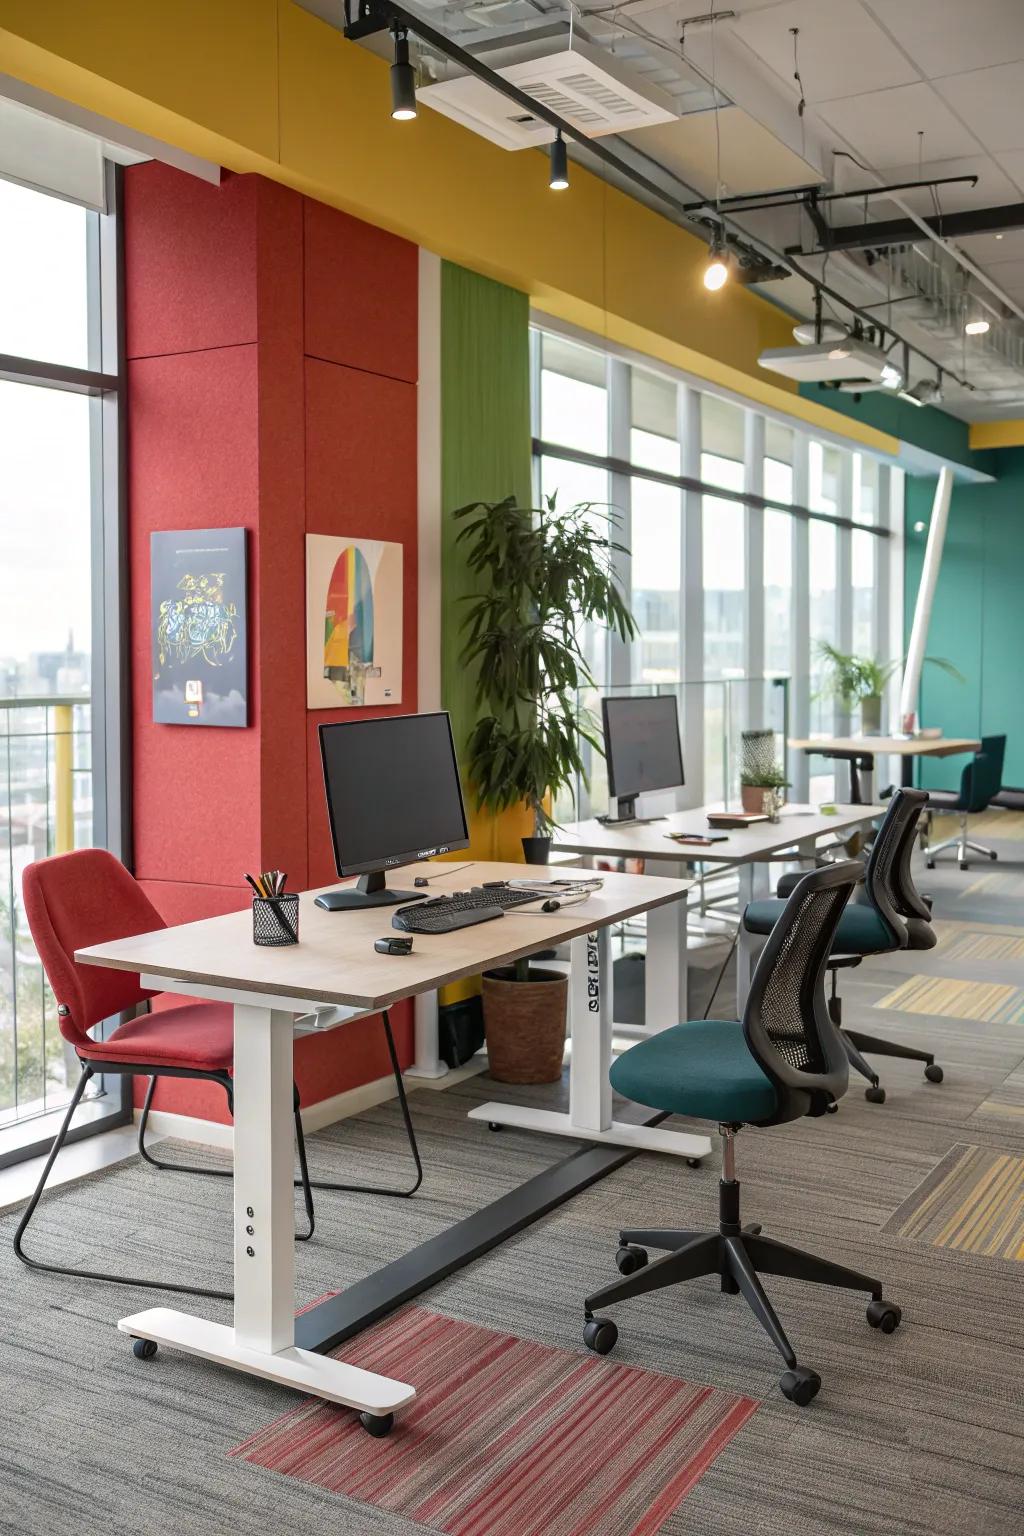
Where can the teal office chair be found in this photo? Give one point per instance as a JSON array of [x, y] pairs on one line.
[[783, 1061], [892, 915], [979, 785]]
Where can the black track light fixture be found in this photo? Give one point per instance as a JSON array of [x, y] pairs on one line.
[[559, 164], [403, 79]]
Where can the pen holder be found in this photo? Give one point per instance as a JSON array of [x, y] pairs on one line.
[[275, 919]]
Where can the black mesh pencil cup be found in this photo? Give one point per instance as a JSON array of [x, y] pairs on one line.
[[275, 919]]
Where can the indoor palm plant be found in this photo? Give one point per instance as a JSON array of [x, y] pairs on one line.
[[543, 574], [861, 680]]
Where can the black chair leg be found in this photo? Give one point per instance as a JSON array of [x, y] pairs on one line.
[[857, 1060], [90, 1274], [745, 1275], [156, 1162], [771, 1257], [307, 1193], [701, 1257], [376, 1189], [669, 1238], [887, 1048]]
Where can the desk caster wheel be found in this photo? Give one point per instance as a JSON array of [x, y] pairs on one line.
[[800, 1385], [832, 1109], [884, 1315], [694, 1162], [933, 1072], [377, 1424], [492, 1125], [600, 1334], [144, 1349], [629, 1259], [875, 1095]]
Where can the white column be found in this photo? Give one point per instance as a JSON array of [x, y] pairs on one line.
[[754, 475], [691, 589], [263, 1162], [800, 634], [926, 591], [590, 1024]]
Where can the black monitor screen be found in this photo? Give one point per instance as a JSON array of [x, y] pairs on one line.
[[393, 791], [641, 739]]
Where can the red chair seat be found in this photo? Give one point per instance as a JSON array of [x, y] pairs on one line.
[[197, 1035]]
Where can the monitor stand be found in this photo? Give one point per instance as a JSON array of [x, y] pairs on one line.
[[624, 814], [369, 891]]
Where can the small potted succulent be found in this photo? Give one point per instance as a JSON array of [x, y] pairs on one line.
[[763, 779], [861, 680]]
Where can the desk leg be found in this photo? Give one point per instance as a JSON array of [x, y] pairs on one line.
[[666, 972], [262, 1340], [427, 1062], [590, 1095]]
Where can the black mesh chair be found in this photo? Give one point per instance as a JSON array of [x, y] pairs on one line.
[[784, 1060], [979, 784], [888, 914]]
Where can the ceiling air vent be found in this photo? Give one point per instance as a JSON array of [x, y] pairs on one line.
[[583, 85]]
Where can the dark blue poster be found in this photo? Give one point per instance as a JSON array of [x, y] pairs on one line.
[[199, 641]]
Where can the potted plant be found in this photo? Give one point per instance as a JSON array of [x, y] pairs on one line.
[[761, 773], [544, 573], [860, 680]]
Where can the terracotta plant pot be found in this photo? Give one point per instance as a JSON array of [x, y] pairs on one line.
[[524, 1023], [752, 798], [536, 850]]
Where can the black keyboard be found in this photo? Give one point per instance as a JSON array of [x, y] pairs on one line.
[[443, 914]]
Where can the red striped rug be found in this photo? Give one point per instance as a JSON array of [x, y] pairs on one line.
[[508, 1437]]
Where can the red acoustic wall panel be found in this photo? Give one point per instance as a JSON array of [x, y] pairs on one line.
[[361, 294], [233, 423]]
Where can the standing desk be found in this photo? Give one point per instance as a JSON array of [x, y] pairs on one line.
[[330, 978], [860, 752], [799, 827]]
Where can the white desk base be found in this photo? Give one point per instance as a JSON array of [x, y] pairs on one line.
[[318, 1375], [642, 1138]]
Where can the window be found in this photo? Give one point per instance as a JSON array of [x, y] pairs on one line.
[[686, 506], [59, 753]]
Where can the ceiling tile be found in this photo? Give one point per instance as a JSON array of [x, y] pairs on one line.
[[944, 37], [1012, 162], [990, 102], [883, 126], [994, 185], [842, 49], [990, 251]]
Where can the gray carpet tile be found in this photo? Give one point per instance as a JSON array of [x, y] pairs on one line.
[[922, 1432]]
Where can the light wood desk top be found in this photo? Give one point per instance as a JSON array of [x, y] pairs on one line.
[[742, 844], [335, 961], [898, 746]]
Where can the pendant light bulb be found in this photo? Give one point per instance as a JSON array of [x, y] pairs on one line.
[[559, 165], [716, 273], [403, 80]]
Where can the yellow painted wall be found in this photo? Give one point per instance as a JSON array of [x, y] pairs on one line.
[[996, 434], [262, 85]]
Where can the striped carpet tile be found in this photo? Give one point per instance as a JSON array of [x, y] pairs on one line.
[[973, 1200], [508, 1437], [976, 945], [995, 823], [990, 1002], [1005, 1103]]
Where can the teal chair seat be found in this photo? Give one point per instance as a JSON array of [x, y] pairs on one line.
[[862, 930], [702, 1068]]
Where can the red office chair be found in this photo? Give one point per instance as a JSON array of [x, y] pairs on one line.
[[88, 897]]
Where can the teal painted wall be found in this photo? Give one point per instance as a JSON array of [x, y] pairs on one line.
[[923, 427], [978, 616]]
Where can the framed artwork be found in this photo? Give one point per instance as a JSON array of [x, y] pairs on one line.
[[353, 622], [200, 652]]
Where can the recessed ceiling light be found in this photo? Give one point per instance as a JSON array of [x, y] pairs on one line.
[[976, 327]]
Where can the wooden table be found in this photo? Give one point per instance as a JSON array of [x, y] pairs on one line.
[[333, 975], [748, 848], [860, 752]]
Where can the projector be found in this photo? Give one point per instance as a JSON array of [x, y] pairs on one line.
[[829, 362]]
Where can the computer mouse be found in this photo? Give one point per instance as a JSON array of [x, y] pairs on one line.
[[394, 944], [551, 906]]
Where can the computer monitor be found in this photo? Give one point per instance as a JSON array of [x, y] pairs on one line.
[[641, 742], [393, 796]]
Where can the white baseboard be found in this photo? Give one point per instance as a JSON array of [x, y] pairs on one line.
[[212, 1133]]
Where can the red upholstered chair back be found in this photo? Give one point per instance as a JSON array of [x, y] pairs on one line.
[[74, 900]]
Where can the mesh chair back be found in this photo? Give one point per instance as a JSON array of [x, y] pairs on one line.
[[983, 776], [887, 881], [786, 1021]]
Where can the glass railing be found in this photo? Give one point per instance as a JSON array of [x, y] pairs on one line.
[[46, 807], [713, 715]]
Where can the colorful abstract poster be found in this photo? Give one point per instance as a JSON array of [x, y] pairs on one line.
[[353, 622], [200, 674]]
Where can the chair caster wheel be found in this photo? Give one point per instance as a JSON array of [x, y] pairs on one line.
[[875, 1095], [492, 1125], [144, 1349], [377, 1424], [754, 1229], [929, 863], [964, 864], [933, 1072], [832, 1109], [600, 1334], [884, 1315], [800, 1385], [629, 1259], [993, 856], [694, 1162]]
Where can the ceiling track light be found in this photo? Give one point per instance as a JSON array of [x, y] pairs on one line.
[[716, 273], [403, 79], [559, 180]]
